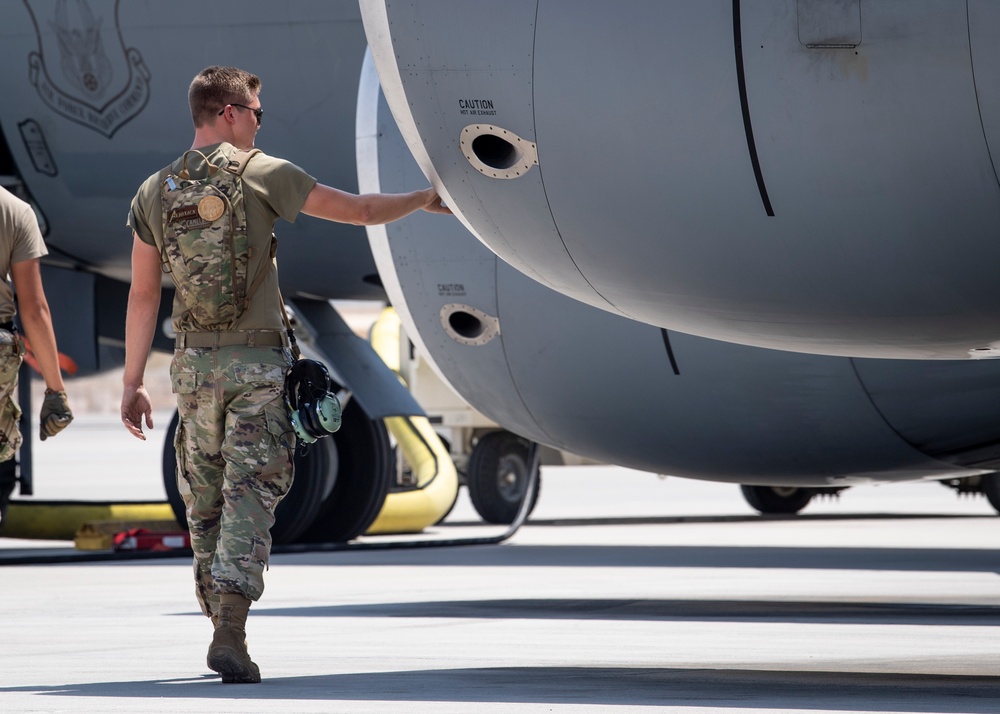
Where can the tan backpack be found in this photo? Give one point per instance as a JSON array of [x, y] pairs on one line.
[[205, 246]]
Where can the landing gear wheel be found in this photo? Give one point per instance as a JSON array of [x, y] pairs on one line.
[[497, 476], [366, 468], [991, 487], [777, 499], [317, 468], [313, 478]]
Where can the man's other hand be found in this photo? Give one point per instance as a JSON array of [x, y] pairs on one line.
[[55, 415]]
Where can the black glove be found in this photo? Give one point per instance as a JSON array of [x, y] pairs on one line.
[[55, 415]]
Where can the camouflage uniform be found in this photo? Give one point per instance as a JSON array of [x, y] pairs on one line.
[[20, 239], [11, 354], [234, 461], [234, 440]]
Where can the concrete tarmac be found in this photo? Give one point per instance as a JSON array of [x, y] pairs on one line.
[[624, 592]]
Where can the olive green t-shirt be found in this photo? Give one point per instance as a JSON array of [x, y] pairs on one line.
[[272, 188], [20, 240]]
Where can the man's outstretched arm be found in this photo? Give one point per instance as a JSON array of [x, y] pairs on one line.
[[370, 209]]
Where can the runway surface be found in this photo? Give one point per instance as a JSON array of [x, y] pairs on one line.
[[625, 592]]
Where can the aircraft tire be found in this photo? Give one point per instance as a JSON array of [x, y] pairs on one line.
[[314, 472], [991, 487], [497, 474], [366, 467], [771, 500]]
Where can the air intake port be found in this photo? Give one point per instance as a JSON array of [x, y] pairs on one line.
[[496, 152], [468, 325]]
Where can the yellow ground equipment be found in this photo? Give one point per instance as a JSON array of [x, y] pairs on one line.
[[60, 520], [410, 509]]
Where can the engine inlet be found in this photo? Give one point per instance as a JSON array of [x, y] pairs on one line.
[[468, 325], [496, 152]]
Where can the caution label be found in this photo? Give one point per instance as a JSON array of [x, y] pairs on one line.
[[476, 107]]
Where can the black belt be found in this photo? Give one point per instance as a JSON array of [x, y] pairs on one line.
[[9, 326], [241, 338]]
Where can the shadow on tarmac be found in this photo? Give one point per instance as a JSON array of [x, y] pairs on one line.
[[671, 556], [626, 556], [717, 689], [617, 610]]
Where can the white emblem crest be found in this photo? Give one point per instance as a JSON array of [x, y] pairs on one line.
[[82, 69]]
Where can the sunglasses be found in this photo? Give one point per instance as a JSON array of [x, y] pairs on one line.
[[258, 113]]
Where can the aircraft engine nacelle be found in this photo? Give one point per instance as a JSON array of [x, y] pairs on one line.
[[809, 175], [566, 374]]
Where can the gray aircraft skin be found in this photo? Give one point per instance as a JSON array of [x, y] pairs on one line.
[[810, 175], [566, 374], [100, 103], [95, 100], [84, 125]]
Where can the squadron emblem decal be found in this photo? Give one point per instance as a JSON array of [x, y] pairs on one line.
[[82, 69], [211, 208]]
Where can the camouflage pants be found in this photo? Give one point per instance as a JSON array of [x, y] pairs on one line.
[[234, 447], [11, 354]]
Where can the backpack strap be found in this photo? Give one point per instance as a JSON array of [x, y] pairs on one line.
[[261, 274], [165, 172], [293, 346], [238, 163]]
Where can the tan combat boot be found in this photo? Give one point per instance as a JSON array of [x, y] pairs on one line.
[[228, 654]]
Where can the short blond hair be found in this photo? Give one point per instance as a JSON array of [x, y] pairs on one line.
[[215, 87]]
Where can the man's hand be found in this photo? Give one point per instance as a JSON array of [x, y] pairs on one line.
[[435, 204], [135, 406], [55, 415]]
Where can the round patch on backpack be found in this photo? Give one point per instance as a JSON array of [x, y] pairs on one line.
[[211, 208]]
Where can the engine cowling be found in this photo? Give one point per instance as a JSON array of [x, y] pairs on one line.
[[789, 174], [581, 379]]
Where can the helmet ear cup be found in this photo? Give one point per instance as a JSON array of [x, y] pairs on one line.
[[291, 396], [311, 421], [301, 431], [313, 407], [328, 413]]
